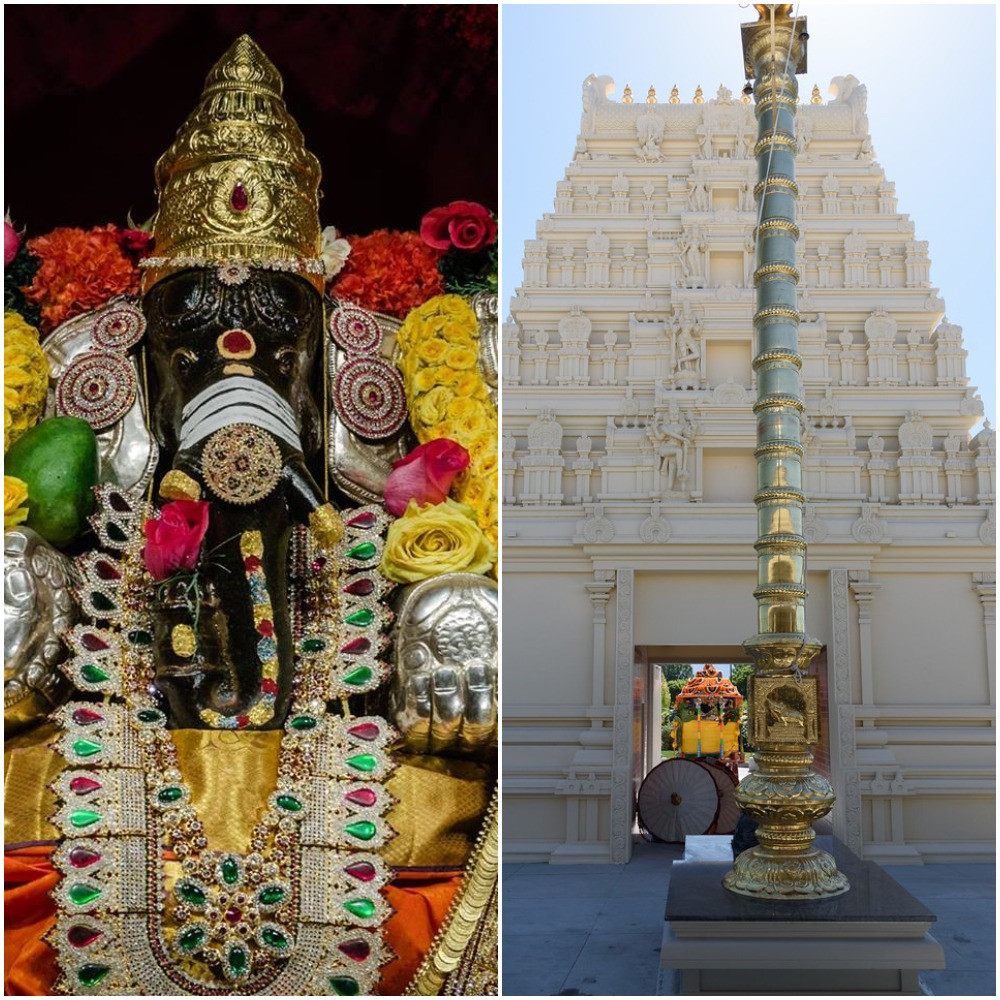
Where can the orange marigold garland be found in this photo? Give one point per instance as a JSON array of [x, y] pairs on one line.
[[81, 269], [389, 272]]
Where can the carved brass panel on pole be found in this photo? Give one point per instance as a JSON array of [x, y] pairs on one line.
[[784, 795]]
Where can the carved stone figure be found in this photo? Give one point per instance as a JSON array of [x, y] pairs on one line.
[[671, 435], [649, 131]]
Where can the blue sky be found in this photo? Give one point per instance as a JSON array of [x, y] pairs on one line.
[[931, 78]]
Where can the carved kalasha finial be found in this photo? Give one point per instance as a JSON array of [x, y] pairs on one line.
[[651, 96], [627, 96], [675, 95], [816, 97], [699, 95]]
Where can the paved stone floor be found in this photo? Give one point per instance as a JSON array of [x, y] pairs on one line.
[[595, 930]]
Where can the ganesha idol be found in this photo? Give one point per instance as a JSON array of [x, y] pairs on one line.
[[266, 767]]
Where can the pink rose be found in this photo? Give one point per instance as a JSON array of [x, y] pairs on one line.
[[11, 243], [173, 540], [462, 224], [425, 475]]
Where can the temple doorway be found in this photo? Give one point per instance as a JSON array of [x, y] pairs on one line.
[[689, 753]]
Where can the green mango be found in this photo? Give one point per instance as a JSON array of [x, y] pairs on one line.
[[58, 460]]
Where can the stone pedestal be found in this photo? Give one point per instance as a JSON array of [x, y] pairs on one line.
[[872, 940]]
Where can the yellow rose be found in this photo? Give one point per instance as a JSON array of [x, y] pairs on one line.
[[433, 539], [461, 407], [432, 351], [461, 357], [446, 376], [432, 408], [466, 383], [425, 379], [15, 496]]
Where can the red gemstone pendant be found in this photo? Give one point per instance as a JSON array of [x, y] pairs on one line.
[[356, 949], [360, 588], [363, 871], [83, 857], [239, 199], [356, 646], [80, 935], [85, 717], [84, 786], [361, 797], [365, 731]]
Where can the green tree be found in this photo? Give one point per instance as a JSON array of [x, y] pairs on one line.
[[739, 674], [677, 671], [675, 686]]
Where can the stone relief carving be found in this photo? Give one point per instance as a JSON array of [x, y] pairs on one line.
[[671, 435], [545, 434], [654, 528], [596, 528], [649, 132], [868, 529]]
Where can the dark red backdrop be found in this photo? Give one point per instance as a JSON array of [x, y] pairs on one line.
[[399, 104]]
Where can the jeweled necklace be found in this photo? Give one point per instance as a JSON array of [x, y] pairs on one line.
[[299, 913]]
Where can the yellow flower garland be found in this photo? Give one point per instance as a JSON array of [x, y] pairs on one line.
[[25, 378], [439, 345]]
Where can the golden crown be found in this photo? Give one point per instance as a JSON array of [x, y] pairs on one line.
[[238, 184]]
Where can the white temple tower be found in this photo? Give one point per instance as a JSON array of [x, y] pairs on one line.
[[629, 477]]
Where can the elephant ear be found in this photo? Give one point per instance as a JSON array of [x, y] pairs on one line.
[[360, 467]]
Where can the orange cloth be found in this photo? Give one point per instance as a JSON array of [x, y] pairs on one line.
[[420, 900]]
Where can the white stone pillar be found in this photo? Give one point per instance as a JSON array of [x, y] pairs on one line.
[[985, 585], [864, 592]]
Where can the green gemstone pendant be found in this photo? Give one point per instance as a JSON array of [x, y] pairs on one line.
[[363, 908], [313, 645], [344, 986], [93, 674], [191, 893], [92, 974], [168, 795], [359, 675], [363, 829], [191, 939], [303, 723], [239, 961], [364, 762], [81, 894], [271, 895], [87, 748], [289, 803], [363, 551], [83, 817], [230, 871], [273, 938], [360, 618]]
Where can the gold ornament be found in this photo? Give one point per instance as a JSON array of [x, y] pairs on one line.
[[326, 525], [241, 464], [238, 184], [178, 485], [183, 641]]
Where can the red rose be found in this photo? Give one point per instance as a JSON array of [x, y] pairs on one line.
[[173, 540], [462, 224], [425, 475], [135, 241]]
